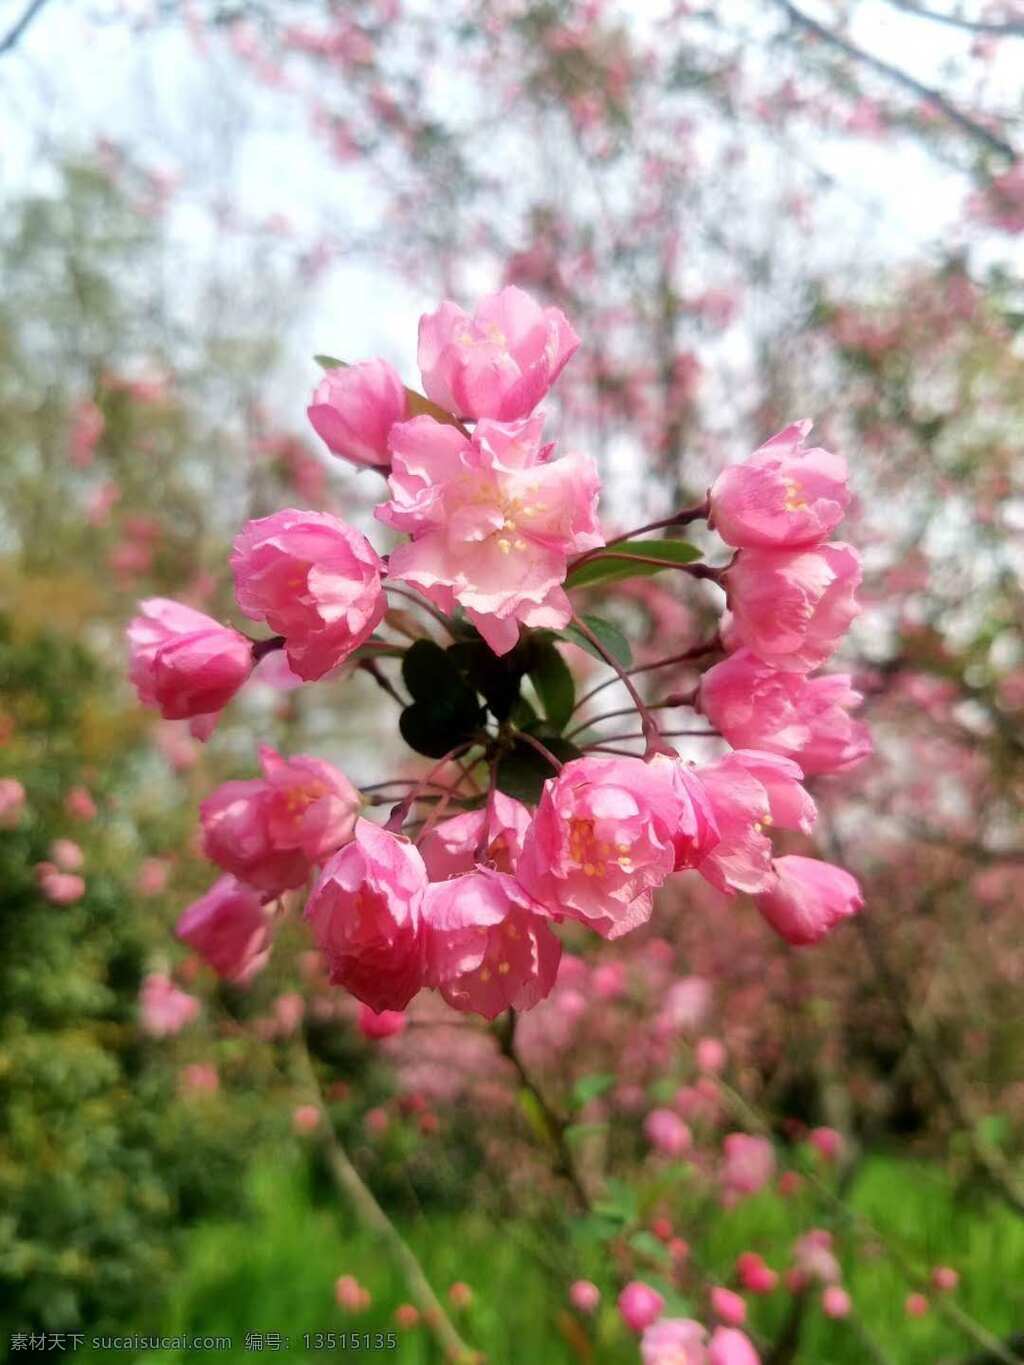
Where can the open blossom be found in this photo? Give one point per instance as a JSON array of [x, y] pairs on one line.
[[365, 912], [492, 837], [229, 928], [808, 898], [783, 496], [164, 1009], [756, 706], [602, 840], [639, 1305], [498, 363], [674, 1341], [186, 664], [748, 1166], [488, 948], [493, 519], [731, 1347], [354, 408], [314, 580], [792, 607]]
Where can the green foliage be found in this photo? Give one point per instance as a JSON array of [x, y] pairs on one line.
[[612, 568]]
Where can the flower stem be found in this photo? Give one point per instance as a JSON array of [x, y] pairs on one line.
[[651, 733]]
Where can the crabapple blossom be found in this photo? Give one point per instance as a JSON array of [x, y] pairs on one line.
[[407, 1316], [306, 1118], [814, 1258], [674, 1341], [354, 408], [915, 1306], [491, 837], [493, 520], [748, 1166], [60, 888], [500, 362], [639, 1305], [67, 855], [487, 946], [741, 860], [808, 898], [80, 805], [164, 1009], [152, 876], [826, 1142], [314, 580], [229, 928], [755, 706], [710, 1055], [12, 802], [754, 1275], [386, 1024], [584, 1296], [460, 1295], [667, 1132], [835, 1302], [783, 496], [365, 914], [792, 607], [186, 664], [728, 1306], [731, 1347], [198, 1078], [945, 1278]]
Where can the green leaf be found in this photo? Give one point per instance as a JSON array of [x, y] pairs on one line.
[[535, 1117], [608, 634], [329, 362], [588, 1088], [498, 680], [648, 1245], [608, 568], [522, 772], [579, 1132], [618, 1202], [553, 680], [433, 727], [428, 671]]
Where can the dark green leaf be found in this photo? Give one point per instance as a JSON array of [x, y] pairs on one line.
[[428, 671], [608, 568], [648, 1245], [522, 772], [329, 362], [553, 681], [608, 634], [434, 727]]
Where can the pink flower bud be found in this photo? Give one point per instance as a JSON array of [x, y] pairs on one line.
[[460, 1295], [749, 1163], [67, 855], [61, 888], [314, 580], [229, 929], [808, 898], [730, 1347], [728, 1307], [407, 1316], [783, 496], [584, 1296], [354, 408], [12, 802], [835, 1302], [754, 1275], [674, 1341], [79, 805], [163, 1008], [498, 363], [387, 1024], [667, 1132], [184, 663], [350, 1295], [306, 1118], [639, 1305], [915, 1306], [152, 876], [826, 1142], [945, 1278], [710, 1056]]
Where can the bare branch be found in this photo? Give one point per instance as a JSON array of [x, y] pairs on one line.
[[1009, 28], [14, 36]]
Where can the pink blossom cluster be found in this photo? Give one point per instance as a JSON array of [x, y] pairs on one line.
[[494, 521]]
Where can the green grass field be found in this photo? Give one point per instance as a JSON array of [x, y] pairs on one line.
[[275, 1274]]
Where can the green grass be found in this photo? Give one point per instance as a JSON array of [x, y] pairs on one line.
[[275, 1273]]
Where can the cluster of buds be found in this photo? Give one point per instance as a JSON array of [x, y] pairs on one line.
[[520, 825]]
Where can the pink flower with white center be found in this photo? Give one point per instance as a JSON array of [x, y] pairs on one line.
[[808, 898], [365, 913], [488, 948], [674, 1341], [354, 408], [67, 855], [783, 496], [186, 664], [314, 580], [731, 1347], [602, 840], [639, 1305], [814, 1258], [492, 837], [498, 363], [494, 521], [728, 1307], [667, 1133], [12, 802], [584, 1296], [835, 1302], [229, 929], [756, 706], [792, 607], [749, 1163], [164, 1009], [374, 1026]]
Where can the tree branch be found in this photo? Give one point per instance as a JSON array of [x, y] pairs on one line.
[[1009, 28], [14, 35]]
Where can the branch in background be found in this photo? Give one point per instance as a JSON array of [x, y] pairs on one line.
[[352, 1185], [14, 36], [977, 130], [1009, 28]]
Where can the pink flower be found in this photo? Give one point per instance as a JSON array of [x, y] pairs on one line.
[[492, 837], [237, 838], [674, 1341], [808, 898], [945, 1278], [826, 1142], [79, 804], [67, 855], [460, 1295], [306, 1118], [289, 1011], [386, 1024], [749, 1164], [915, 1306], [488, 948], [639, 1305], [407, 1316], [314, 580], [835, 1302], [61, 888], [229, 929], [584, 1296], [365, 913], [493, 521], [350, 1295], [792, 607], [354, 408], [198, 1078], [164, 1009], [667, 1132], [754, 1275], [710, 1055], [186, 664], [87, 426], [152, 876], [783, 496], [498, 363], [12, 802], [602, 839], [728, 1307], [806, 719], [814, 1258], [730, 1347]]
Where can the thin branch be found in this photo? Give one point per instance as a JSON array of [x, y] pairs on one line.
[[1009, 28], [926, 92], [14, 35]]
